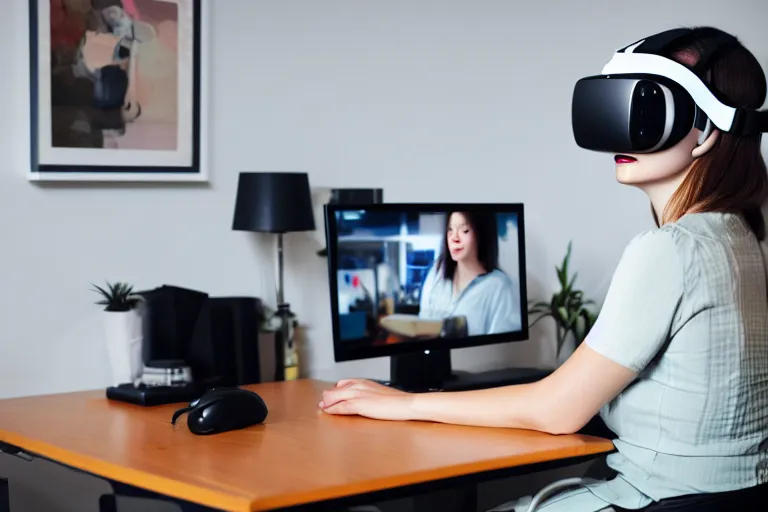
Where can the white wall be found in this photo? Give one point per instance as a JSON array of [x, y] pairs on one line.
[[436, 101]]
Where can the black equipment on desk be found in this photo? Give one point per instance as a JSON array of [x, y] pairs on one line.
[[215, 339], [148, 396], [170, 317], [216, 336]]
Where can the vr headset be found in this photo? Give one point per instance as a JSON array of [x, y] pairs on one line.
[[644, 102]]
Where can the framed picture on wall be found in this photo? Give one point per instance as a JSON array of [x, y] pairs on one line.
[[116, 90]]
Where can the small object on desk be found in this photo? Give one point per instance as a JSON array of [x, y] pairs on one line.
[[166, 373], [161, 382], [141, 394], [223, 409], [287, 349]]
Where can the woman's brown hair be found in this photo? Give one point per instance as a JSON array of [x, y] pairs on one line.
[[732, 176]]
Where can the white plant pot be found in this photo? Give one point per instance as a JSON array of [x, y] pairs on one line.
[[123, 336]]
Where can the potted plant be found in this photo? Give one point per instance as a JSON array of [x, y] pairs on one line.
[[567, 307], [123, 330]]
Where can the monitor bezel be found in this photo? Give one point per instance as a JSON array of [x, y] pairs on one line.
[[346, 353]]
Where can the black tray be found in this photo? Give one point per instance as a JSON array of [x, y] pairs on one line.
[[153, 395]]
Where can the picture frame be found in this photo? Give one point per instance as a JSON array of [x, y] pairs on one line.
[[118, 90]]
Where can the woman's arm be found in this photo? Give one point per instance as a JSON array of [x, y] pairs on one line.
[[560, 404]]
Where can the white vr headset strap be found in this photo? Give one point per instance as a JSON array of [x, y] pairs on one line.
[[721, 115]]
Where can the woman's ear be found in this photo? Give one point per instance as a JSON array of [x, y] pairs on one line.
[[704, 148]]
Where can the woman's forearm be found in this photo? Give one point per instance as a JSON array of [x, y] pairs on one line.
[[561, 403], [524, 406]]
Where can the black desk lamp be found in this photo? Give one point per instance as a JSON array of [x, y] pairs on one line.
[[276, 202]]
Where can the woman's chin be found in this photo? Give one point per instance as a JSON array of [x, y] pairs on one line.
[[626, 176]]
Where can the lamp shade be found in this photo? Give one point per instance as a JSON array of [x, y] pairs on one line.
[[273, 202]]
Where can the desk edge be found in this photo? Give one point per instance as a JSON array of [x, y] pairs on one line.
[[420, 477], [142, 479]]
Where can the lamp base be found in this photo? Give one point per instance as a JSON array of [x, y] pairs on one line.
[[287, 356]]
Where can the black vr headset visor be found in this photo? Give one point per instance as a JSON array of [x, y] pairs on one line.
[[644, 102]]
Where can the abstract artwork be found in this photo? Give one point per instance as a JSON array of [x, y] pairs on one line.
[[115, 90]]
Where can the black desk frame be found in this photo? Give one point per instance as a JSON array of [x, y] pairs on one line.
[[466, 487]]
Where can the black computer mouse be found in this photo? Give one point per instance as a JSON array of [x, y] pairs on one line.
[[211, 395], [223, 409]]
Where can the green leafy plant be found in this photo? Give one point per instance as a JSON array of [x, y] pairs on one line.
[[117, 297], [567, 307]]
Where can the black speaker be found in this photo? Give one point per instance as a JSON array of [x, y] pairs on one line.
[[357, 196], [224, 350], [169, 317], [354, 196], [217, 337]]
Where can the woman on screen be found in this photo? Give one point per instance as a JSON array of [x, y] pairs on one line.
[[466, 279]]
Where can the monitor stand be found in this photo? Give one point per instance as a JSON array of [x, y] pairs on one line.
[[430, 370]]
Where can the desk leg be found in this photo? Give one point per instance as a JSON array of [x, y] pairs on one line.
[[108, 502], [469, 498], [462, 499], [5, 496]]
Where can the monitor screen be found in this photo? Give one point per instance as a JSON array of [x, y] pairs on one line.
[[413, 277]]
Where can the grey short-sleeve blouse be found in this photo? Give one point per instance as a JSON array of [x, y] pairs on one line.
[[687, 309]]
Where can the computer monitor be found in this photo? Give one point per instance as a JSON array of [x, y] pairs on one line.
[[414, 280]]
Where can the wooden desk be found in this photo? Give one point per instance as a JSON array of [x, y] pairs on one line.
[[298, 456]]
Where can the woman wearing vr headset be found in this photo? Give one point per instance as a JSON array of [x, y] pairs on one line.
[[677, 362]]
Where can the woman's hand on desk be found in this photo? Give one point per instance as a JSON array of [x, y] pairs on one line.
[[366, 398]]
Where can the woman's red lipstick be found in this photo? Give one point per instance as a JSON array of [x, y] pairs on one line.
[[624, 159]]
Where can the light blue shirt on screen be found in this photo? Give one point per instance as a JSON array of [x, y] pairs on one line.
[[490, 303]]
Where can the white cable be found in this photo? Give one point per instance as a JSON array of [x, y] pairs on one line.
[[550, 489]]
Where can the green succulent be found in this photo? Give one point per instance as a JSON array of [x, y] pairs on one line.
[[117, 297], [567, 307]]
